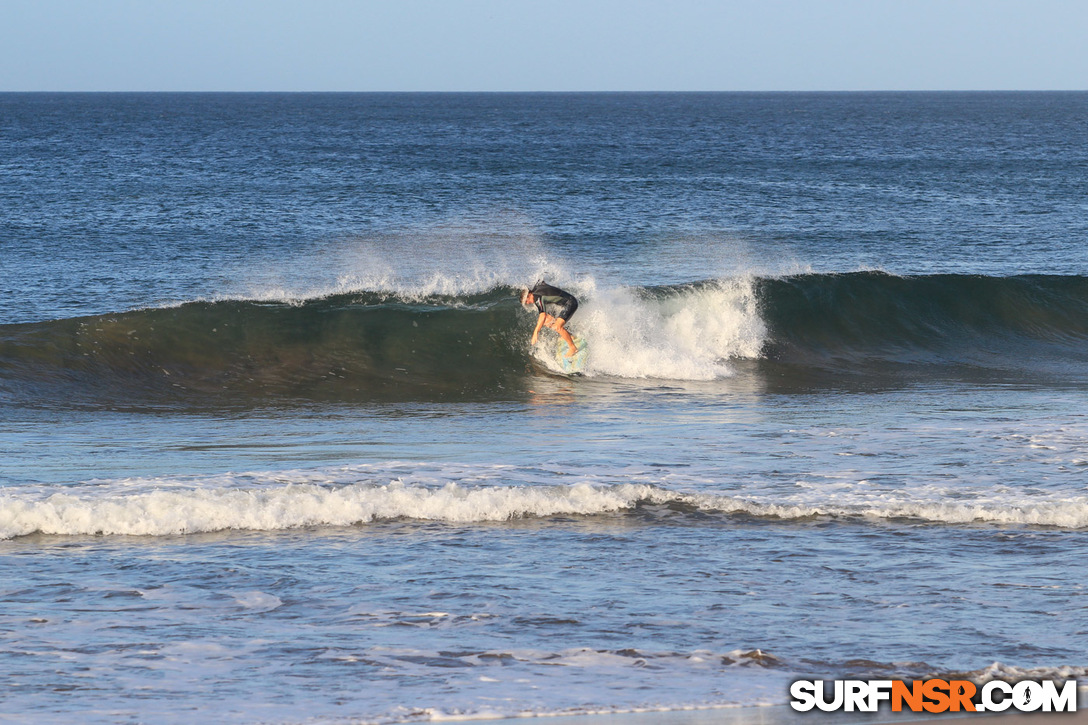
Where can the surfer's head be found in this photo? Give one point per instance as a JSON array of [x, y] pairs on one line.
[[526, 296]]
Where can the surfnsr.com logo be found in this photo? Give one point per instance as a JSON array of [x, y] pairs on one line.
[[934, 696]]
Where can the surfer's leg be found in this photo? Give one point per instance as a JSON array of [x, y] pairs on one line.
[[561, 328]]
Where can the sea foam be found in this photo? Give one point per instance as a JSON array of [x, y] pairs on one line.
[[171, 512], [687, 333], [349, 496]]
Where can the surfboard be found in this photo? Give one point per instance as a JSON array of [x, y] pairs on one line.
[[575, 365]]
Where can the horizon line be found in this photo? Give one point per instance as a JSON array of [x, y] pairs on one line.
[[567, 92]]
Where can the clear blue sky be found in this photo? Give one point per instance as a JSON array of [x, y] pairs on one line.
[[542, 45]]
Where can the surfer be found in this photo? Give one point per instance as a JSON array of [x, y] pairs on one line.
[[544, 294]]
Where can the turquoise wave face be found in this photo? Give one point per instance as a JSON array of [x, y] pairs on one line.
[[333, 347], [929, 318]]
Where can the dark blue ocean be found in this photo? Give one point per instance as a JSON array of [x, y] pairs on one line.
[[275, 446]]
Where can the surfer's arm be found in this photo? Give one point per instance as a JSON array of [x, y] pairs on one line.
[[539, 324]]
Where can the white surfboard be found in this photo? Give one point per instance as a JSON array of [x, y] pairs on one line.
[[576, 364]]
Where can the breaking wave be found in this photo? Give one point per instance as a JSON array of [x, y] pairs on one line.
[[386, 345], [354, 496]]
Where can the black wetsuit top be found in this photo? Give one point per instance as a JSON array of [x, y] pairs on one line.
[[544, 293]]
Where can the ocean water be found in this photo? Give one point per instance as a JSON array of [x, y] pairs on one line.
[[274, 446]]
